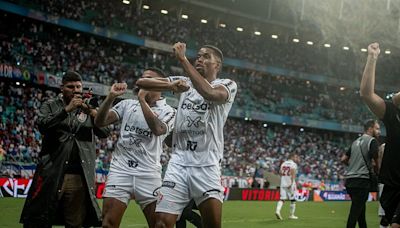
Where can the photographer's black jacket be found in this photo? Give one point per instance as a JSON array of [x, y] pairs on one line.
[[60, 131]]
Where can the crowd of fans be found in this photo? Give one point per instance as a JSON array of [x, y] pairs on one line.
[[36, 45], [249, 145], [246, 46]]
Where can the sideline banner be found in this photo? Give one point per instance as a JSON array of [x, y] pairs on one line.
[[253, 194], [320, 196]]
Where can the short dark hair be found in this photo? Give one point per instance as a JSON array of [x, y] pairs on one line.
[[292, 155], [369, 123], [216, 50], [71, 76], [160, 72]]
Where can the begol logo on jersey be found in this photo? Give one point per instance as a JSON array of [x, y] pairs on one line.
[[195, 107], [193, 122], [138, 130]]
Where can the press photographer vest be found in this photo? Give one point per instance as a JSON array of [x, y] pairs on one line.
[[357, 167]]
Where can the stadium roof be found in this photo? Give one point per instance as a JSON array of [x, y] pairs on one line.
[[346, 22]]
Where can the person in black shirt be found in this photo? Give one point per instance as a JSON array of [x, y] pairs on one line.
[[389, 113]]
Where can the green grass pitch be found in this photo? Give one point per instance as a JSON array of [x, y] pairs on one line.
[[246, 214]]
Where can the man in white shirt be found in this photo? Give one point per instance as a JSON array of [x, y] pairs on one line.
[[135, 170], [288, 172], [194, 169]]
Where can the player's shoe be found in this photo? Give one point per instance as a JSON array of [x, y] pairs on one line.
[[293, 217], [278, 215]]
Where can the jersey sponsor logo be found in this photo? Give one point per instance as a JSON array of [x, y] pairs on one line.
[[195, 107], [138, 130], [168, 184], [193, 133], [133, 163], [191, 145], [135, 141], [193, 122]]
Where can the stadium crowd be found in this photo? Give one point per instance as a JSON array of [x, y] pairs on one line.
[[171, 28], [49, 48], [248, 144]]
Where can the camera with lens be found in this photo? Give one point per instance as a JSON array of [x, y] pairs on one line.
[[91, 100]]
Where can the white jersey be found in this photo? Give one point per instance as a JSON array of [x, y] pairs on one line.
[[198, 138], [138, 150], [285, 172]]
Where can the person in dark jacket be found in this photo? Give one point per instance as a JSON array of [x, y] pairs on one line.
[[63, 187]]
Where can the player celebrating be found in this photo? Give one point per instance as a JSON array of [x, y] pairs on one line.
[[288, 173], [194, 168], [135, 169]]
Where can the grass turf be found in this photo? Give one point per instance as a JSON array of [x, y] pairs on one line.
[[247, 214]]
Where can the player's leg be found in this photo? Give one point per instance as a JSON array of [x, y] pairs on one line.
[[173, 196], [292, 209], [211, 212], [283, 196], [113, 210], [292, 196], [117, 193], [150, 213], [208, 193], [146, 193], [165, 220]]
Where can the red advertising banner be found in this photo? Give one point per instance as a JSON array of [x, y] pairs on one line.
[[11, 187], [247, 194]]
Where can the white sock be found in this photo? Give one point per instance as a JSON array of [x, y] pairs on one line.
[[279, 206], [292, 208]]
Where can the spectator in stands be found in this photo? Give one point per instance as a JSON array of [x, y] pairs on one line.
[[62, 191]]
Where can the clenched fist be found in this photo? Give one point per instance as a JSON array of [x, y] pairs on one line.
[[117, 89], [180, 50], [373, 50], [179, 86]]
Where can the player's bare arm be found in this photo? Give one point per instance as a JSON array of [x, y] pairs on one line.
[[156, 126], [162, 84], [104, 115], [367, 88], [216, 94]]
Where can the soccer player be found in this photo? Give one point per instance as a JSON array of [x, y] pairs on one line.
[[288, 171], [194, 168], [389, 113], [135, 169]]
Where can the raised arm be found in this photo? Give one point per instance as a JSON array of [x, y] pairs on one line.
[[162, 84], [367, 88], [156, 125], [104, 115], [217, 93]]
